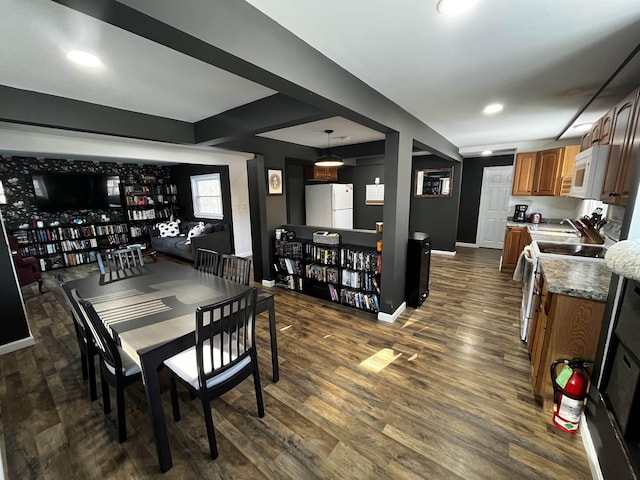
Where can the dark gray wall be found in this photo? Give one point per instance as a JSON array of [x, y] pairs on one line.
[[181, 178], [365, 173], [294, 182], [470, 194], [14, 321], [436, 216]]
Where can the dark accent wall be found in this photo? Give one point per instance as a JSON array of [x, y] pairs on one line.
[[15, 174], [436, 216], [14, 321], [294, 184], [470, 195], [181, 178], [361, 175]]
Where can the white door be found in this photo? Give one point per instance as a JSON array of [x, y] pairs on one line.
[[342, 196], [494, 206]]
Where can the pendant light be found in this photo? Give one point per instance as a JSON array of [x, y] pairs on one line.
[[328, 159]]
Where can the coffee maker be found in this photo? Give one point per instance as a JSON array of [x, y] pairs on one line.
[[520, 213]]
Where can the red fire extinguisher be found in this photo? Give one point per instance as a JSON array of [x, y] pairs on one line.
[[569, 392]]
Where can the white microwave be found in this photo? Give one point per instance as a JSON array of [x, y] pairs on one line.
[[588, 172]]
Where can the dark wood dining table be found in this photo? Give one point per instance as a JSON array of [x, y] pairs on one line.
[[150, 310]]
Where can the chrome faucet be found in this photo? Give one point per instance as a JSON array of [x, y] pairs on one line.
[[569, 222]]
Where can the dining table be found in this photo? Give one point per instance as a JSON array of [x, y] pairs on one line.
[[150, 311]]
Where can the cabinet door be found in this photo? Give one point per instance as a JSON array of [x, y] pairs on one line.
[[619, 139], [523, 175], [596, 132], [512, 247], [548, 168], [325, 174], [586, 141], [606, 123]]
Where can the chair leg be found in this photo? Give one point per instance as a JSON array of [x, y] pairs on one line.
[[174, 400], [93, 394], [122, 424], [85, 362], [256, 384], [106, 401], [211, 434], [40, 285]]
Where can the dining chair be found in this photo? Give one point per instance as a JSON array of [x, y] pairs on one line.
[[86, 343], [116, 367], [207, 261], [121, 259], [238, 269], [224, 355], [234, 268]]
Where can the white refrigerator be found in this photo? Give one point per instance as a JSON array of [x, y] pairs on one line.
[[329, 205]]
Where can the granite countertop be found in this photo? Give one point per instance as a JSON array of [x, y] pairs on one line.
[[577, 278], [550, 232]]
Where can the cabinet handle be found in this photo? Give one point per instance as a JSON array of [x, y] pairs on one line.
[[613, 194]]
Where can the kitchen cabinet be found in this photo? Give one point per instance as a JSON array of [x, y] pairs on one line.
[[564, 327], [515, 239], [591, 136], [325, 174], [541, 173], [622, 152]]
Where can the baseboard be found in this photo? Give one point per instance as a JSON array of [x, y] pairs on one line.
[[268, 283], [443, 252], [469, 245], [390, 318], [590, 450], [17, 345]]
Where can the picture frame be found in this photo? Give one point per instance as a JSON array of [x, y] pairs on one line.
[[274, 182]]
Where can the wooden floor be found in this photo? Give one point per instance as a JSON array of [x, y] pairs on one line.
[[443, 393]]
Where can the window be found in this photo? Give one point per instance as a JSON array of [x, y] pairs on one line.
[[3, 198], [207, 196]]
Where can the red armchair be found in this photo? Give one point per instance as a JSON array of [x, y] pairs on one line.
[[27, 268]]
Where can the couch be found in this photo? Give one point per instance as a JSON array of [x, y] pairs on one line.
[[27, 268], [218, 238]]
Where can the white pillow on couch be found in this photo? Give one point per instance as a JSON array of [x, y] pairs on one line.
[[194, 232], [168, 229]]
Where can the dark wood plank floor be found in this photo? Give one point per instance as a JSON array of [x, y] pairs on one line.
[[443, 392]]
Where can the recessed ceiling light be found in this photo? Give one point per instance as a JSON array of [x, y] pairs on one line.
[[455, 7], [486, 153], [582, 127], [493, 108], [84, 58]]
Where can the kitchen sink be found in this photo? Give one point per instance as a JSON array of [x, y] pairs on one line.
[[577, 250]]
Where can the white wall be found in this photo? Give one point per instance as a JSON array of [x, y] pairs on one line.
[[39, 142], [555, 207]]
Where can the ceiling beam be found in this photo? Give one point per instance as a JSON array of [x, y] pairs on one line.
[[34, 108], [271, 113]]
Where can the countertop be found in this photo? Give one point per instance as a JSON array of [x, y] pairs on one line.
[[566, 275], [577, 278]]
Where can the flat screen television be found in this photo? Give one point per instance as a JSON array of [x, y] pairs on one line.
[[57, 192]]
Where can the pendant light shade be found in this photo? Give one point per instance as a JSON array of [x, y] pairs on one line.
[[328, 159]]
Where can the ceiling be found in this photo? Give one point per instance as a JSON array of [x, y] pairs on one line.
[[544, 60]]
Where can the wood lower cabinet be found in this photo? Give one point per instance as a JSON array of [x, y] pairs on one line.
[[515, 239], [564, 327], [542, 173], [324, 174]]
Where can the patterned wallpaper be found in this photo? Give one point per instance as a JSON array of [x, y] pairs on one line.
[[15, 174]]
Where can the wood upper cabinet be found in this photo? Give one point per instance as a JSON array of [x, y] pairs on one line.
[[515, 238], [523, 174], [541, 173], [324, 174], [622, 150], [606, 123]]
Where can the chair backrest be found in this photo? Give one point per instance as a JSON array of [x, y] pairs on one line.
[[236, 269], [225, 334], [207, 261], [121, 259], [105, 342], [83, 333]]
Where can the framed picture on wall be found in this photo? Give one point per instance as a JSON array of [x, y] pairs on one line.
[[274, 178]]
